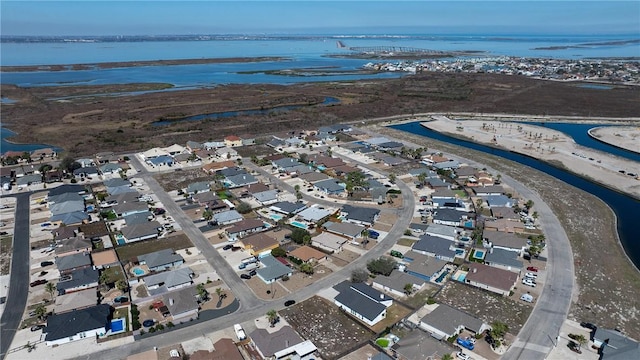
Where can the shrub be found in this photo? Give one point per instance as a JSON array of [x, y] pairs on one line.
[[142, 332], [285, 278], [152, 330], [431, 301], [159, 327], [170, 324]]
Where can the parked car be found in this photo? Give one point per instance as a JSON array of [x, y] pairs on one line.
[[465, 343], [37, 327], [236, 248], [121, 299], [227, 247], [588, 325], [159, 211], [245, 276], [374, 234], [531, 275], [148, 323], [46, 263], [532, 268], [252, 273], [289, 302], [528, 283], [462, 356], [38, 282], [526, 297]]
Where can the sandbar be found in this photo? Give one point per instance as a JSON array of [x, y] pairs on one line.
[[624, 137]]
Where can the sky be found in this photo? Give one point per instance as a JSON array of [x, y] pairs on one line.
[[87, 17]]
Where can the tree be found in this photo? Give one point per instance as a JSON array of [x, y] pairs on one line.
[[303, 157], [581, 339], [69, 164], [422, 177], [207, 214], [122, 285], [408, 289], [220, 293], [392, 178], [243, 207], [278, 252], [498, 329], [355, 180], [44, 168], [104, 277], [202, 292], [447, 357], [298, 235], [272, 315], [359, 275], [383, 265], [51, 289], [40, 311], [535, 215], [529, 204], [306, 268]]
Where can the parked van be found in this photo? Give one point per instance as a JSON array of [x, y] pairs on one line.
[[526, 297], [239, 332]]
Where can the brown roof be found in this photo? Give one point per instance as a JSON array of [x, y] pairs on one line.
[[94, 229], [244, 225], [494, 277], [232, 138], [306, 253], [274, 157], [218, 165], [224, 349], [332, 162], [259, 242], [256, 188], [13, 153], [104, 257], [500, 212], [346, 169], [64, 232]]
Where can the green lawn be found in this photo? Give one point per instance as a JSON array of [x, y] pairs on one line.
[[461, 194], [114, 274], [129, 251], [406, 242]]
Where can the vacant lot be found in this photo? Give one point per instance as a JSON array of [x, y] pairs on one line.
[[484, 305], [329, 328], [175, 242], [6, 250], [176, 180]]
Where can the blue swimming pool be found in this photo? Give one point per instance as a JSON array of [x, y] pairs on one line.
[[138, 271], [117, 325], [479, 254], [120, 239], [275, 217], [442, 276], [299, 225], [461, 277]]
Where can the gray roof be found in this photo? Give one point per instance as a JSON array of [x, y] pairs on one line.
[[181, 300], [360, 213], [314, 213], [74, 243], [246, 224], [421, 227], [435, 245], [466, 171], [443, 193], [288, 207], [170, 278], [361, 298], [286, 163], [138, 218], [270, 343], [436, 182], [241, 180], [64, 197], [158, 258], [123, 197], [344, 228], [504, 239], [423, 170], [29, 179], [206, 196], [137, 206], [67, 207], [330, 185], [76, 300], [498, 200], [84, 276], [503, 212], [418, 345], [74, 217], [440, 230], [67, 188], [227, 216], [273, 269], [140, 230], [390, 145], [268, 195], [200, 186], [449, 215], [232, 171], [302, 169], [397, 280], [490, 189], [619, 346], [110, 167], [425, 265], [60, 326], [449, 164], [73, 261], [503, 257], [447, 319], [116, 182]]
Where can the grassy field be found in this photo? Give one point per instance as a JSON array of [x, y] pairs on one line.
[[176, 242]]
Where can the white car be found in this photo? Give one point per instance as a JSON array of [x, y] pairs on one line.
[[463, 356], [531, 275], [529, 283]]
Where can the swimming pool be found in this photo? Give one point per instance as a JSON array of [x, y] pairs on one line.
[[479, 254], [442, 276], [120, 239], [275, 217], [138, 271], [299, 225], [117, 325]]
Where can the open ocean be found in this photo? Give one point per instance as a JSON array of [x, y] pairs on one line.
[[305, 52]]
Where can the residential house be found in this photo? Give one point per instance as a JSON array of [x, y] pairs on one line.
[[285, 165], [94, 230], [165, 160], [77, 280], [161, 260], [395, 283], [424, 267], [175, 149], [288, 208], [104, 259], [504, 225], [194, 145], [314, 214], [266, 197], [169, 280], [506, 241], [209, 200], [73, 245], [328, 242], [491, 278], [182, 303], [223, 349], [76, 300], [244, 228], [330, 187], [88, 171], [504, 259], [248, 141], [272, 269], [154, 153], [213, 144], [359, 215], [67, 264], [613, 345], [215, 166], [500, 212], [198, 187], [349, 230], [308, 254], [447, 165], [138, 218], [488, 190], [110, 169], [70, 218], [362, 302], [67, 207], [239, 180], [449, 217], [418, 229], [499, 201], [65, 232], [269, 344], [76, 325], [313, 177], [53, 176], [139, 232], [227, 217], [67, 188], [43, 153], [443, 231], [391, 160], [232, 141], [436, 247], [31, 179], [226, 153], [465, 172], [449, 203], [259, 243], [437, 183], [444, 322]]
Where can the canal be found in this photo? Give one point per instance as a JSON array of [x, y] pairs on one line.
[[625, 207]]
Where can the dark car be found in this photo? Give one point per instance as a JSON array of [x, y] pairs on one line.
[[37, 327], [38, 282], [245, 276], [252, 273], [236, 248], [289, 302], [227, 247], [121, 299], [159, 211], [148, 323], [46, 263], [588, 325]]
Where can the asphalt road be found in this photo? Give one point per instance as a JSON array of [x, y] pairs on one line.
[[250, 306], [19, 283]]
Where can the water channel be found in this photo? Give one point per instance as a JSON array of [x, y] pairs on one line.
[[625, 207]]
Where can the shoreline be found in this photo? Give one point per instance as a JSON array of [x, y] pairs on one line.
[[622, 146]]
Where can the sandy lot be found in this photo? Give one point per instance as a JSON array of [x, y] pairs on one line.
[[626, 137], [545, 144]]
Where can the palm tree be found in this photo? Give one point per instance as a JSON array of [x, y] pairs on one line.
[[408, 289], [51, 289], [219, 292], [40, 311], [447, 357], [581, 339], [272, 315]]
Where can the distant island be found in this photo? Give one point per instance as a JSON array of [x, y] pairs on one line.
[[586, 45]]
